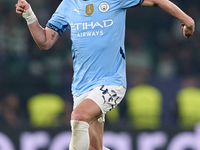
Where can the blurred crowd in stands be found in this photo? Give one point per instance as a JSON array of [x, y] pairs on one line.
[[160, 63]]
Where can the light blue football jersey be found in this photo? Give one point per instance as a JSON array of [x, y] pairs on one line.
[[97, 32]]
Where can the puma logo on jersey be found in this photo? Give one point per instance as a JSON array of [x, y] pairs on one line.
[[77, 11]]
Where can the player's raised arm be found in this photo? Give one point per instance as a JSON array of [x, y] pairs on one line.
[[188, 25], [44, 38]]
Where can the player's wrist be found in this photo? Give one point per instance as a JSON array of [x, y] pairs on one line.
[[29, 15]]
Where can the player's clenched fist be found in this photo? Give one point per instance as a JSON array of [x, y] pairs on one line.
[[24, 8], [188, 31], [21, 6]]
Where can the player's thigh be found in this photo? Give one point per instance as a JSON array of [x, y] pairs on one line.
[[96, 135], [107, 97], [87, 111], [97, 102]]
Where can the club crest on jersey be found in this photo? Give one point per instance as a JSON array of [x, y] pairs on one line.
[[104, 7], [89, 9]]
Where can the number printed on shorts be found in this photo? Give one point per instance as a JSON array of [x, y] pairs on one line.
[[109, 96]]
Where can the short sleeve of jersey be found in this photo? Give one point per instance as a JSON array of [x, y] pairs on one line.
[[58, 20], [130, 3]]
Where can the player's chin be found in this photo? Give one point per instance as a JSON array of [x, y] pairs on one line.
[[187, 36]]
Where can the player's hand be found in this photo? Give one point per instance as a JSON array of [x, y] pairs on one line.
[[21, 6], [188, 31]]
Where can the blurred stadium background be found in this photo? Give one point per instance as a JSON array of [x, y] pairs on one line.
[[161, 109]]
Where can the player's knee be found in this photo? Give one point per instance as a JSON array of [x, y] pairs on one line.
[[78, 115]]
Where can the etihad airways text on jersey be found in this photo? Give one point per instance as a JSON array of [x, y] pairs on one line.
[[91, 25]]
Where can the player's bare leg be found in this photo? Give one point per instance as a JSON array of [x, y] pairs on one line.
[[83, 115], [96, 135]]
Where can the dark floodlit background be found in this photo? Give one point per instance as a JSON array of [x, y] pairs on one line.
[[163, 70]]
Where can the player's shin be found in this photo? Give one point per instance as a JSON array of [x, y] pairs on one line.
[[80, 135]]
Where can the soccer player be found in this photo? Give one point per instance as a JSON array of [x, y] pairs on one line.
[[97, 33]]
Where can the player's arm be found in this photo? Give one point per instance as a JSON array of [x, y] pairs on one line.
[[188, 23], [45, 38]]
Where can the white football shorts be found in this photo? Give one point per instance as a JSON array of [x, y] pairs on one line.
[[106, 97]]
